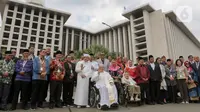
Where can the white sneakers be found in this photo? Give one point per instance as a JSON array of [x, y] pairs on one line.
[[185, 102], [86, 106]]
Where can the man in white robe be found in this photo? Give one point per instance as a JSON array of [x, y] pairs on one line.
[[107, 89], [83, 68]]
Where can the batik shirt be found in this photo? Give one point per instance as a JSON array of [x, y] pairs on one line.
[[6, 67]]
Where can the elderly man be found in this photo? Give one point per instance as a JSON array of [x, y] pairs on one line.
[[108, 91], [84, 70], [104, 61], [6, 72]]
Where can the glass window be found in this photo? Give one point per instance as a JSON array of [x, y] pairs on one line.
[[41, 33], [25, 31], [42, 27], [48, 41], [57, 29], [15, 36], [18, 23], [34, 25], [40, 46], [56, 42], [8, 21], [23, 44], [57, 36], [33, 39], [50, 28], [7, 28], [35, 19], [10, 14], [27, 17], [32, 45], [24, 37], [14, 43], [4, 42], [41, 40], [26, 24], [19, 15], [34, 32], [6, 35]]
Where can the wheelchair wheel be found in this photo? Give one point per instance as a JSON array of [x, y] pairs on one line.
[[94, 97], [121, 99], [99, 106]]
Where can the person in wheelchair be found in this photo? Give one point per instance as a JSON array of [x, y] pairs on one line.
[[105, 84], [133, 88]]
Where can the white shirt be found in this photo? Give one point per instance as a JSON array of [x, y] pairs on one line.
[[152, 66]]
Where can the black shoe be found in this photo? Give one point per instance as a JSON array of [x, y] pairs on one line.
[[33, 107], [161, 103], [114, 105], [4, 109], [59, 106], [12, 108], [51, 106], [26, 108], [104, 107], [40, 106]]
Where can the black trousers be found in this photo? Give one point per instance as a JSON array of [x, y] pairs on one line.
[[172, 92], [183, 89], [11, 94], [46, 87], [144, 88], [68, 88], [155, 91], [55, 92], [4, 93], [38, 88], [23, 87]]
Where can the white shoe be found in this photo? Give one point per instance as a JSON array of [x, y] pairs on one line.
[[187, 102], [182, 102], [88, 106], [132, 99], [78, 106], [137, 99]]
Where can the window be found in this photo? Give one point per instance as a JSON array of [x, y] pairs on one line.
[[15, 36], [51, 15], [28, 10], [44, 14], [35, 19], [58, 23], [57, 36], [49, 35], [41, 33], [48, 41], [57, 29], [18, 22], [36, 12], [25, 31], [20, 9], [23, 44], [58, 17], [16, 29], [42, 27], [11, 7], [26, 24], [41, 40], [50, 28], [24, 37], [10, 14], [34, 25], [7, 28], [6, 35], [3, 49], [8, 21], [4, 42], [33, 39], [19, 15], [55, 48], [56, 42], [51, 22], [40, 46], [27, 17], [34, 32], [43, 20], [14, 43], [32, 45]]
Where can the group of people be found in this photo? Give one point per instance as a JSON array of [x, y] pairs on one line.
[[152, 82]]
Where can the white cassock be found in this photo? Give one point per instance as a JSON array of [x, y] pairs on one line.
[[82, 88], [95, 65], [108, 92]]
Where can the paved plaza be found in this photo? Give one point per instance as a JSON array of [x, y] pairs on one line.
[[156, 108]]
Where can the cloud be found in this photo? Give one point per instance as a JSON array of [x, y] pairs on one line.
[[89, 14]]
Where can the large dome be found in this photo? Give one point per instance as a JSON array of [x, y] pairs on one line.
[[37, 2]]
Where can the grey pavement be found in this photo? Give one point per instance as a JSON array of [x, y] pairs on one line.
[[146, 108]]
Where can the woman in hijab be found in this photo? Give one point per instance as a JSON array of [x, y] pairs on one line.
[[130, 68]]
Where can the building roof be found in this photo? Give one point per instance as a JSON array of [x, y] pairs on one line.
[[78, 28], [66, 15], [146, 7], [183, 27]]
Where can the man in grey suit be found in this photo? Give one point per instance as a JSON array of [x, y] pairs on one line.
[[104, 61], [196, 67]]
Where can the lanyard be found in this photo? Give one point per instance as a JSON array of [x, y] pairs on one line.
[[23, 65]]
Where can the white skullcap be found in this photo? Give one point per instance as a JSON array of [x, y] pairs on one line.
[[86, 55]]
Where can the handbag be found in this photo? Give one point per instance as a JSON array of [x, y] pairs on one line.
[[191, 85]]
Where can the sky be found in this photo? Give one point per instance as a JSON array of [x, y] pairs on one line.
[[89, 14]]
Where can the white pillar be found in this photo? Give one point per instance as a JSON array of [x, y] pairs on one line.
[[105, 40], [98, 40], [89, 41], [101, 39], [3, 23], [125, 41], [38, 33], [119, 40], [46, 30], [72, 40], [30, 28], [93, 39], [80, 41], [85, 41], [130, 43], [110, 41], [67, 41], [61, 33], [133, 38], [115, 41]]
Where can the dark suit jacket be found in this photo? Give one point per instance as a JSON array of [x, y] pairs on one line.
[[155, 75], [196, 70], [68, 72]]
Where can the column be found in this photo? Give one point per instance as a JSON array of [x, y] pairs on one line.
[[80, 41], [98, 40], [115, 41], [89, 41], [46, 30], [93, 39], [61, 33], [12, 28], [110, 41], [30, 28], [130, 43], [21, 30], [119, 41], [67, 41], [53, 31], [125, 42], [101, 39], [105, 40], [133, 38], [72, 40], [3, 23], [85, 41]]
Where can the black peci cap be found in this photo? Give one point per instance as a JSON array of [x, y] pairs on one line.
[[25, 50], [58, 52], [8, 52]]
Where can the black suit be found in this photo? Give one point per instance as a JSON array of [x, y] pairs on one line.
[[155, 81], [196, 69], [68, 83]]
